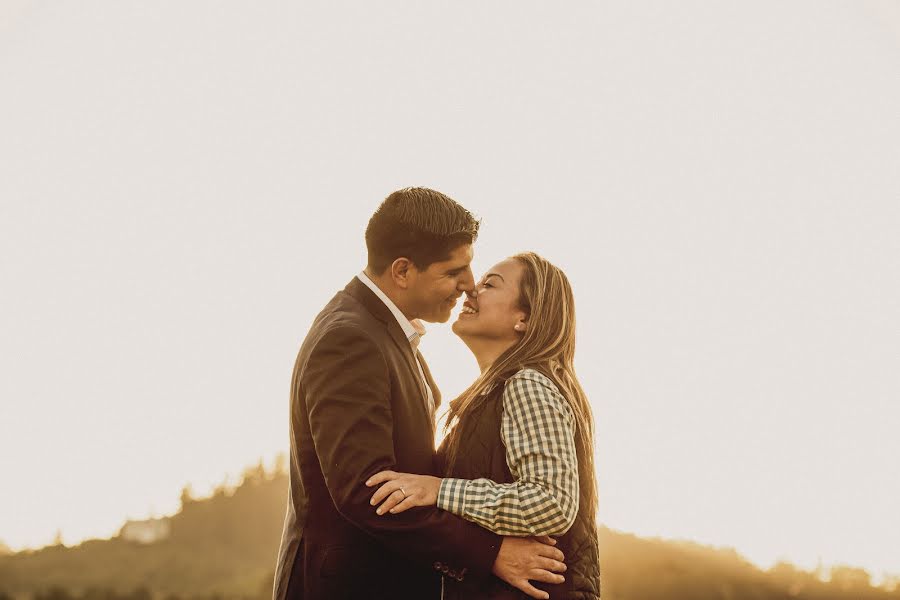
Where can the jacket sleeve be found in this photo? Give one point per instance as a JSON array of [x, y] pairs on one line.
[[346, 384]]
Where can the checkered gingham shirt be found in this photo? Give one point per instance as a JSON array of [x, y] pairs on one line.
[[538, 431]]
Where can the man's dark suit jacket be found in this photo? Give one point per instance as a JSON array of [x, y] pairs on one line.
[[358, 407]]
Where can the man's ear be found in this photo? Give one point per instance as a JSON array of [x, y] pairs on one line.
[[401, 271]]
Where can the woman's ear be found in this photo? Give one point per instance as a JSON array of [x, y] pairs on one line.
[[521, 326]]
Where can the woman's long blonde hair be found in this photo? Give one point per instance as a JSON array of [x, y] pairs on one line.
[[548, 346]]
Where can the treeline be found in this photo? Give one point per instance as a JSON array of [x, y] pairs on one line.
[[223, 548], [634, 568], [140, 593], [221, 545]]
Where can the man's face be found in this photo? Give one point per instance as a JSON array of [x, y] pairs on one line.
[[433, 292]]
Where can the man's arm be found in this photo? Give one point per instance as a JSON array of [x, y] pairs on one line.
[[347, 388]]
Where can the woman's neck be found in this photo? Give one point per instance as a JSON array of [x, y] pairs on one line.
[[488, 351]]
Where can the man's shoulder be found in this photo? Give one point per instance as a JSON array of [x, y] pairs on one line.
[[344, 311], [343, 328], [344, 316]]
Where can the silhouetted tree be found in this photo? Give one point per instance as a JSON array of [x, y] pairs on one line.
[[850, 579], [187, 496], [280, 467], [254, 475]]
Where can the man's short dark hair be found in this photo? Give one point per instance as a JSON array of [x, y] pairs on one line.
[[420, 224]]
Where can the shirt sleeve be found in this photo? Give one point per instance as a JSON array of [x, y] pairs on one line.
[[538, 431]]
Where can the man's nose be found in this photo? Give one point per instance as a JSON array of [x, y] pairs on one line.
[[467, 282]]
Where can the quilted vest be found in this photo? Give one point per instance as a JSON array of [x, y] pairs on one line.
[[482, 454]]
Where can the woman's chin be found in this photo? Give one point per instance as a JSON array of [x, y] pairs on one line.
[[461, 326]]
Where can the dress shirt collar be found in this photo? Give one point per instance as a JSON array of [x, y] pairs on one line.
[[413, 330]]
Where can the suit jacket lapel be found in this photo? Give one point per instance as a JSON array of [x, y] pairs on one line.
[[374, 305], [434, 388]]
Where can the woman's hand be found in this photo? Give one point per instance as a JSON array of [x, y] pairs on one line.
[[403, 490]]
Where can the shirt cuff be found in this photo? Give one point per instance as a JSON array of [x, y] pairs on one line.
[[452, 495]]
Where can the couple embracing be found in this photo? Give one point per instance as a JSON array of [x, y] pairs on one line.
[[505, 508]]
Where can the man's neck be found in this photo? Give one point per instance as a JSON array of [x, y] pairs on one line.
[[386, 286]]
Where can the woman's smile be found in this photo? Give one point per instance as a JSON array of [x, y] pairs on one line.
[[468, 309]]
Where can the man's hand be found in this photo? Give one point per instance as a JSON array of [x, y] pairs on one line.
[[522, 559]]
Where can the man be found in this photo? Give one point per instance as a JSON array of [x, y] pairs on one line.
[[363, 401]]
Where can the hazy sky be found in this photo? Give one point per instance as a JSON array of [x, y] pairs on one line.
[[183, 185]]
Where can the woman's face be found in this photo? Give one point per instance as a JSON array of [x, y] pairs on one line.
[[492, 312]]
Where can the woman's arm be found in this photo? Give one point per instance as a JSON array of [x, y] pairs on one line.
[[538, 430]]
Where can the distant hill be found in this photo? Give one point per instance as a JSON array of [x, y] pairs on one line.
[[224, 547]]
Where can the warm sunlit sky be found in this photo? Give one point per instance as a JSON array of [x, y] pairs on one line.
[[184, 184]]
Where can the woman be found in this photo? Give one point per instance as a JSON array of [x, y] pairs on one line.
[[518, 455]]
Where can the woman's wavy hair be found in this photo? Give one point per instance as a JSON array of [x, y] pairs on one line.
[[548, 346]]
